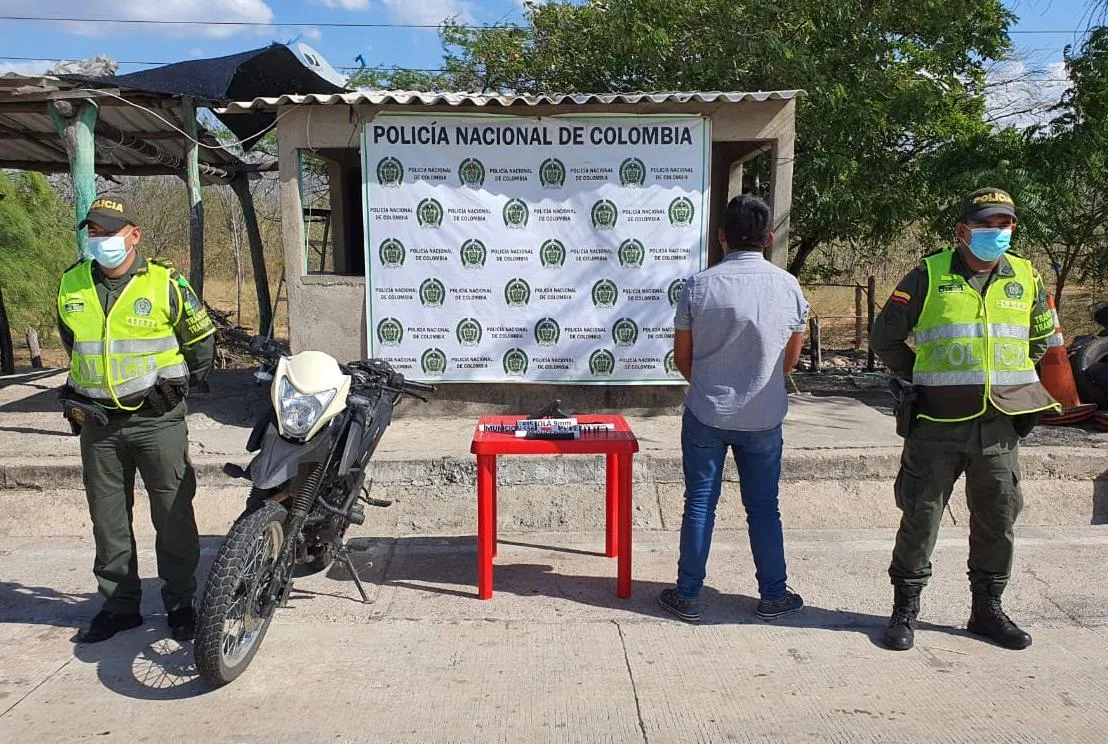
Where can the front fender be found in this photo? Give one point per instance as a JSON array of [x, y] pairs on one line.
[[279, 458]]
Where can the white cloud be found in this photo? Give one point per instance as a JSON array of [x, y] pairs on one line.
[[311, 33], [346, 4], [196, 52], [36, 67], [251, 11], [1021, 97], [429, 12]]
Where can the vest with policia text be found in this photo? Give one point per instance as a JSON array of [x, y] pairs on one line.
[[972, 350], [117, 359]]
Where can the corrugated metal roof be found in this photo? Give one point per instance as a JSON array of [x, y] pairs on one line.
[[417, 98], [28, 136]]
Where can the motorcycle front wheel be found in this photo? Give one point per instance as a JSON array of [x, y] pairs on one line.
[[235, 610]]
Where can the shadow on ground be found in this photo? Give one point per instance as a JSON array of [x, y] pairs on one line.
[[447, 566], [232, 397], [144, 663]]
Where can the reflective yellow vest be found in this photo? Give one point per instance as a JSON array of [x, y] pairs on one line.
[[972, 350], [117, 359]]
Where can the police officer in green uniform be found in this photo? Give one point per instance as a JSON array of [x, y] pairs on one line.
[[136, 335], [979, 319]]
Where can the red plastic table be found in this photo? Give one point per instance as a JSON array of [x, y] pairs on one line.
[[619, 445]]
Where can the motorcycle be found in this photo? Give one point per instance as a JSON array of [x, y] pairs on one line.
[[312, 447]]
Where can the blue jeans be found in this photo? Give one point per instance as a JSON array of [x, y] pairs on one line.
[[758, 457]]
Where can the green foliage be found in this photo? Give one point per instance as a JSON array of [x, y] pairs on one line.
[[36, 245], [889, 83], [1058, 174]]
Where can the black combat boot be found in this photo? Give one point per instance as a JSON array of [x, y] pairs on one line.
[[987, 618], [901, 632]]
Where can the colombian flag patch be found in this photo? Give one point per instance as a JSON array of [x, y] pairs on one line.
[[900, 297]]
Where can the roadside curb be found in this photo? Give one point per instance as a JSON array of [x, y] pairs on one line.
[[879, 463]]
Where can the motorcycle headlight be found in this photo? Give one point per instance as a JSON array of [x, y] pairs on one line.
[[300, 412]]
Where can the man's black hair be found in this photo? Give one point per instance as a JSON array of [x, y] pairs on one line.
[[747, 223]]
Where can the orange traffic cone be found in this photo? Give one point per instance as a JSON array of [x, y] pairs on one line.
[[1057, 377]]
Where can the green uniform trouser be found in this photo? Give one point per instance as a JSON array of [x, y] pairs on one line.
[[935, 456], [158, 447]]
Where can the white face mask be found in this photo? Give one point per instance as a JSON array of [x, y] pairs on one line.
[[109, 251]]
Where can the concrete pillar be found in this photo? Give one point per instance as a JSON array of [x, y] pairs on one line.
[[717, 202], [195, 198], [781, 196], [76, 124]]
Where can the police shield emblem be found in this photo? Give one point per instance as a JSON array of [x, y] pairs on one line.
[[432, 293], [471, 173], [631, 254], [1013, 290], [517, 293], [670, 363], [429, 213], [552, 173], [674, 291], [602, 363], [552, 253], [547, 332], [515, 363], [516, 214], [681, 212], [473, 254], [605, 293], [392, 253], [433, 362], [625, 332], [632, 173], [469, 332], [390, 173], [390, 332], [605, 214], [143, 307]]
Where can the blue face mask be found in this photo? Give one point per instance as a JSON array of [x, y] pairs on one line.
[[990, 243], [109, 251]]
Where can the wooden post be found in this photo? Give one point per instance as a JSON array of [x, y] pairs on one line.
[[241, 186], [34, 348], [871, 312], [195, 198], [814, 344], [859, 324], [7, 353], [77, 124]]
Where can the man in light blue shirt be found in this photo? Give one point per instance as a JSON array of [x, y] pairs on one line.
[[739, 327]]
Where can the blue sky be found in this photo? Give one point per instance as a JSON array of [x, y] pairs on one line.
[[378, 46]]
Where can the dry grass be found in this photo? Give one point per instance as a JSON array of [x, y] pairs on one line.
[[836, 309], [222, 294]]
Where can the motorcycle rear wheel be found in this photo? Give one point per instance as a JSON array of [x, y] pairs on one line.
[[234, 613]]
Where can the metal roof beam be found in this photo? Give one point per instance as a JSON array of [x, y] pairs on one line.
[[154, 154]]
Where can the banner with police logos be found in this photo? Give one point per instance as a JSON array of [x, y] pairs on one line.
[[509, 249]]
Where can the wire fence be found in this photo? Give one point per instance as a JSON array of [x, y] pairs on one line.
[[840, 319]]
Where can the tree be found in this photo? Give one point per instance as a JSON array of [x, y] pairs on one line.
[[1057, 173], [36, 246], [888, 83]]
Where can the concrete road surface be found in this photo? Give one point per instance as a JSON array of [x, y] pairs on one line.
[[555, 657]]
